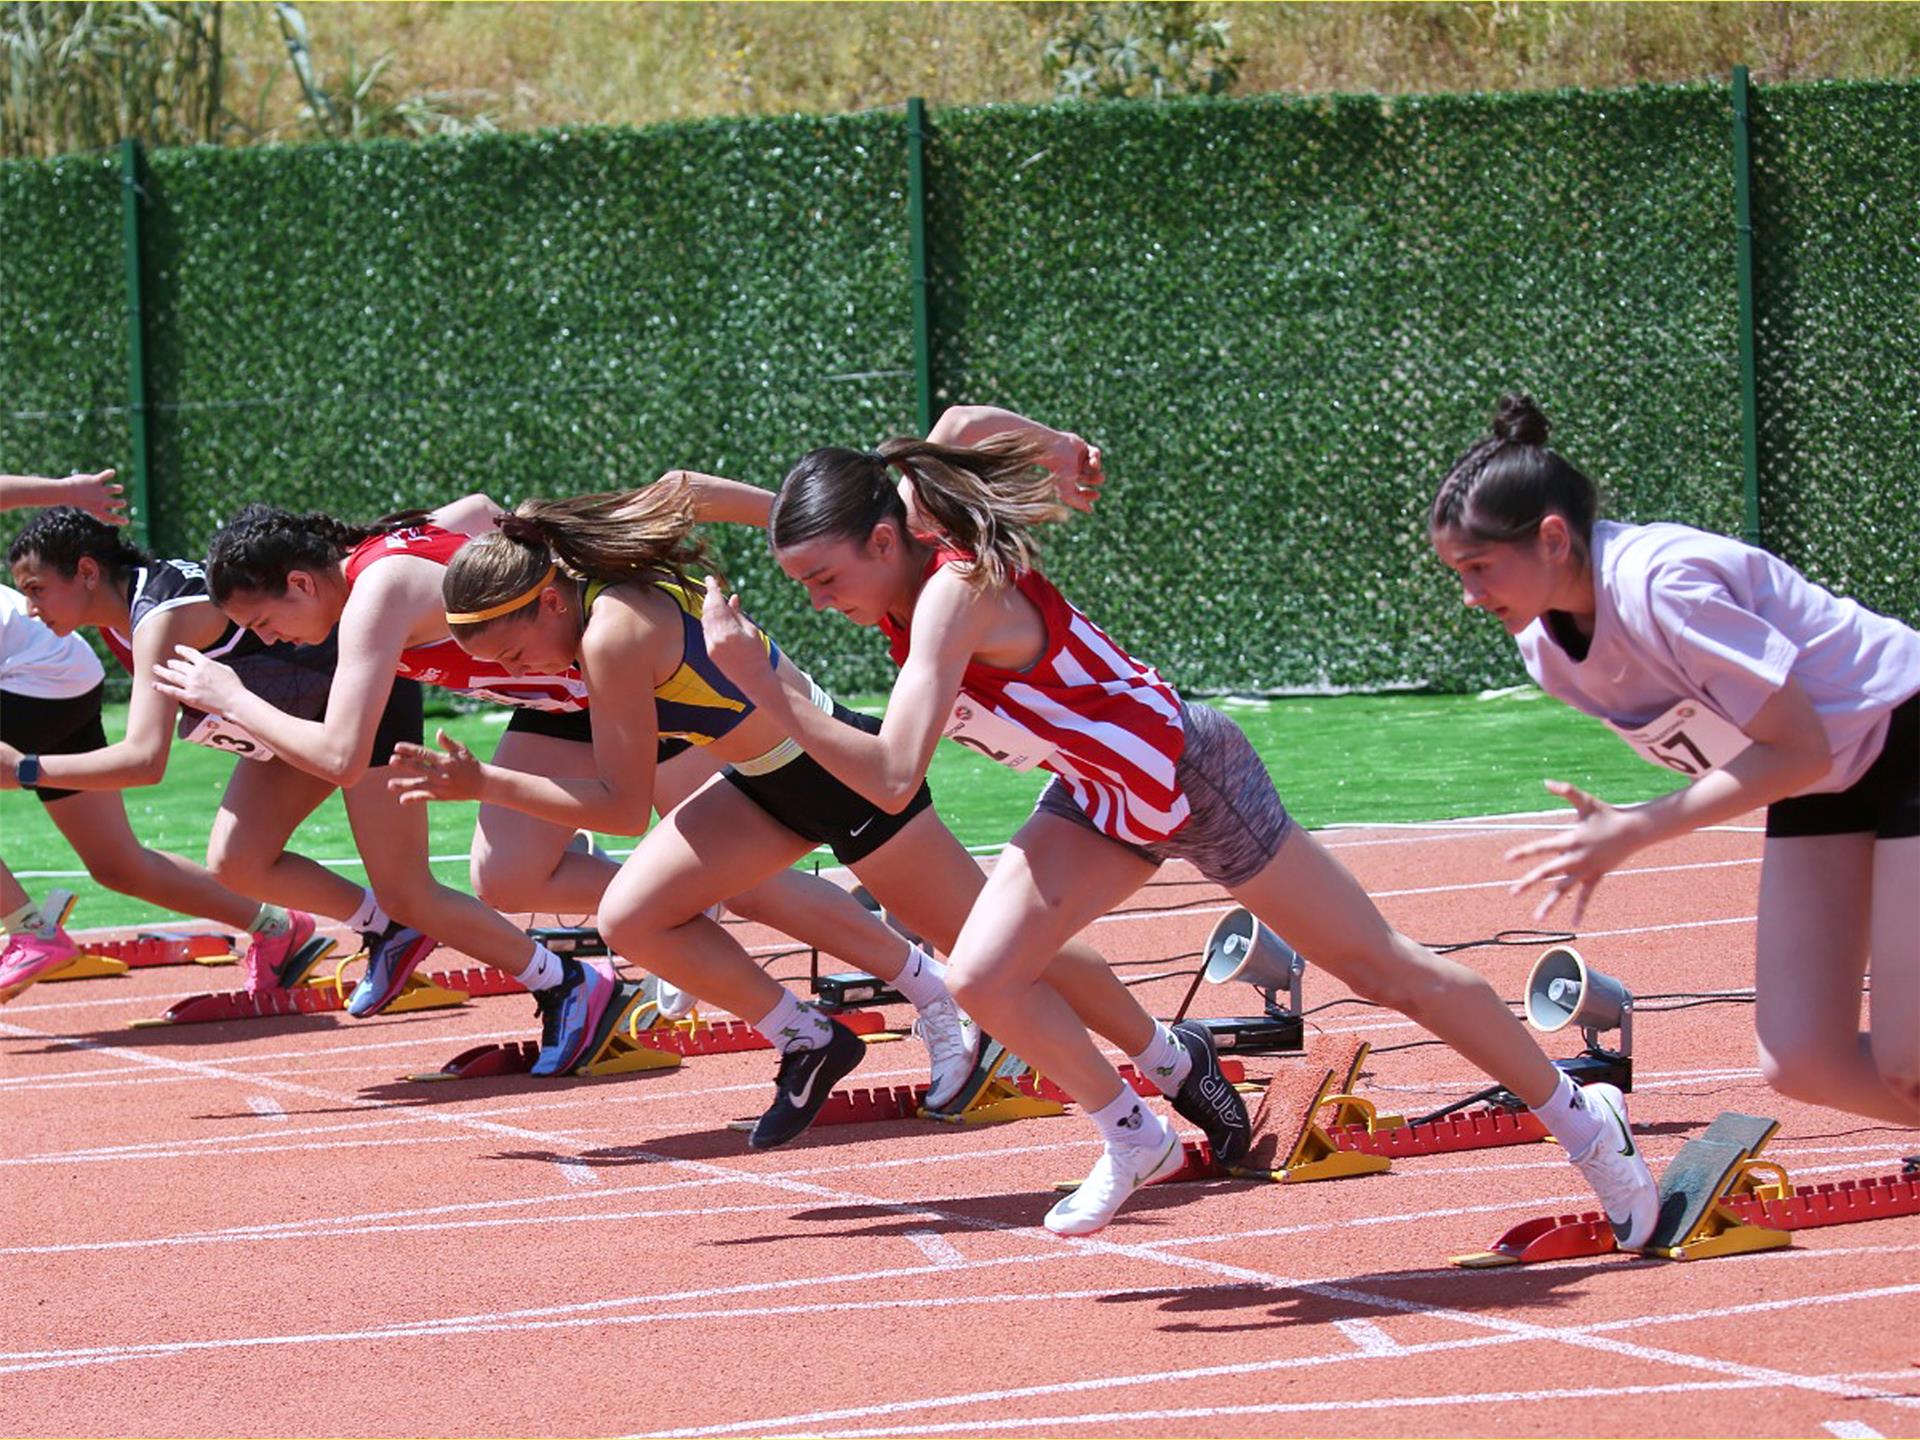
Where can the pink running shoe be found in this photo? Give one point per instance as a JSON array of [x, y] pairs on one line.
[[282, 961], [29, 956]]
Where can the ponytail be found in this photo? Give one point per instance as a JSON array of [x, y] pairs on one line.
[[63, 536], [615, 536], [257, 549], [1508, 481], [983, 499]]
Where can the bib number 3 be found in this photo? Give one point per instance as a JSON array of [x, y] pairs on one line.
[[1689, 739]]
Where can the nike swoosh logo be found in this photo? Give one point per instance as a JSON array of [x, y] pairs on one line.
[[1627, 1148], [861, 826], [798, 1097]]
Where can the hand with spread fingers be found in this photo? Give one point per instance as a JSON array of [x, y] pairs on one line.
[[197, 680], [1575, 860], [449, 773], [732, 641]]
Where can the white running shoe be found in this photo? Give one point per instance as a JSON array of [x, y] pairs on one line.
[[953, 1047], [1616, 1169], [1120, 1170]]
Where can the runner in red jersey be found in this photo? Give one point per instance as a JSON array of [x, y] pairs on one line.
[[934, 540], [300, 576]]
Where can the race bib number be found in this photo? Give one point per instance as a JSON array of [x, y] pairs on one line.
[[217, 733], [978, 728], [1689, 739]]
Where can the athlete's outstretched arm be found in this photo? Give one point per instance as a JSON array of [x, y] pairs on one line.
[[886, 768], [1075, 464], [625, 644], [96, 494], [385, 605], [717, 500]]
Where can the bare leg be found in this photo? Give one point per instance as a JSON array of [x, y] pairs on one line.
[[392, 839], [264, 804], [95, 824], [520, 862], [1896, 970], [1053, 879], [1311, 898], [1817, 921], [12, 894]]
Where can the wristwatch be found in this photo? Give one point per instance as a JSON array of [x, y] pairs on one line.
[[27, 772]]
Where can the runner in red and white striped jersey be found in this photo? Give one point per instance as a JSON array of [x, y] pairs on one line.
[[932, 541]]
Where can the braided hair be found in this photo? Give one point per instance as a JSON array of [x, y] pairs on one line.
[[257, 549], [62, 536], [1508, 481]]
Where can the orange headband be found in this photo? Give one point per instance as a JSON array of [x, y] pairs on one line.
[[494, 612]]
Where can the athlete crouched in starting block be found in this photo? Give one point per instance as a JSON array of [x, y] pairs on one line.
[[1725, 665]]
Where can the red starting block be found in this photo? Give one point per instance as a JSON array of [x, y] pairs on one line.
[[1481, 1129], [437, 991]]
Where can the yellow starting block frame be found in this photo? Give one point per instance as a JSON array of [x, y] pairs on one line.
[[1698, 1185], [993, 1094], [419, 993]]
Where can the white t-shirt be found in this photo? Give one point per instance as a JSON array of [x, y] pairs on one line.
[[1686, 615], [37, 663]]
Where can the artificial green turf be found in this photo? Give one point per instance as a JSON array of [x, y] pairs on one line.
[[1345, 759]]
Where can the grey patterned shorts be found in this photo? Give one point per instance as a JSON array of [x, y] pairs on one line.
[[1237, 823]]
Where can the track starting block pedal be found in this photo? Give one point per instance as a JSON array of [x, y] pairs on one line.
[[328, 996], [612, 1051], [1291, 1144], [88, 964], [1717, 1197]]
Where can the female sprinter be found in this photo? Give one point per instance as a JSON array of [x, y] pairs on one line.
[[77, 571], [1725, 665], [625, 609], [298, 576], [992, 654]]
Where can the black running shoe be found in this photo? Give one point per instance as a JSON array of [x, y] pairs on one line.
[[805, 1080], [1207, 1098]]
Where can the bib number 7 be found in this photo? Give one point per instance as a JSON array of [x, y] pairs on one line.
[[1688, 739]]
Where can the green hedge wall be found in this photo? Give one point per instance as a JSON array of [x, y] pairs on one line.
[[1280, 318]]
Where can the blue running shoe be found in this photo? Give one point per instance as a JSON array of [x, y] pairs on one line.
[[392, 956], [570, 1014]]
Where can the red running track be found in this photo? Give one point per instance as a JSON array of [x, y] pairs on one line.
[[255, 1229]]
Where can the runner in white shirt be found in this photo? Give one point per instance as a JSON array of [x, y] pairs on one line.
[[1723, 664]]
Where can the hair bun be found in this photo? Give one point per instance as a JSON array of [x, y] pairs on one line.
[[1519, 421]]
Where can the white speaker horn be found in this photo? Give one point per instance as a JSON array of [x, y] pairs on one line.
[[1241, 948], [1564, 990]]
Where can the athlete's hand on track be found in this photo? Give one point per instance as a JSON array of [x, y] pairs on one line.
[[193, 679], [98, 496], [449, 773], [731, 639], [1575, 860]]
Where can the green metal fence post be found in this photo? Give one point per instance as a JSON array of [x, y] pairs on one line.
[[138, 492], [1743, 260], [917, 257]]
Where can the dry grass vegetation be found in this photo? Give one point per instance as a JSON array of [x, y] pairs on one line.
[[533, 65]]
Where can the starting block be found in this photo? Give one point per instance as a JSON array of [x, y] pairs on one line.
[[439, 991], [1714, 1201], [85, 966], [1290, 1143], [611, 1052], [1001, 1087]]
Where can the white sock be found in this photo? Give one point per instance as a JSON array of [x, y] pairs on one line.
[[27, 918], [922, 979], [543, 971], [794, 1025], [272, 920], [1127, 1121], [1567, 1120], [369, 917], [1165, 1061]]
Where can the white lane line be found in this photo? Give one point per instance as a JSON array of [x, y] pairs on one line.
[[1367, 1337], [1850, 1430], [936, 1247], [267, 1108], [578, 1173]]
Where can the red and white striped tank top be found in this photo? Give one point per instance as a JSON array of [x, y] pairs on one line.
[[1106, 724], [443, 662]]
